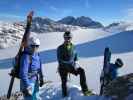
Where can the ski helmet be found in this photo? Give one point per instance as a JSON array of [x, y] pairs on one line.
[[67, 34], [33, 41], [119, 62]]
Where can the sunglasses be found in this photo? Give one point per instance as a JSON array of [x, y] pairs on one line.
[[34, 46], [67, 38]]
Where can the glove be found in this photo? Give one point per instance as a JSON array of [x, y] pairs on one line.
[[28, 91], [76, 65], [41, 82], [13, 73]]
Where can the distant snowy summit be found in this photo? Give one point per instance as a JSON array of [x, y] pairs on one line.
[[68, 23], [42, 25]]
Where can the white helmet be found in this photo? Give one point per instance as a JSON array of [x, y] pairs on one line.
[[33, 41]]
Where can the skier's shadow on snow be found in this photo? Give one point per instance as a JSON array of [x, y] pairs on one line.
[[119, 43]]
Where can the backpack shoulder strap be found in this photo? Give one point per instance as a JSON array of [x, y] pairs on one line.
[[39, 57]]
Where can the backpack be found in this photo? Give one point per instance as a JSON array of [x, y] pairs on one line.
[[16, 69]]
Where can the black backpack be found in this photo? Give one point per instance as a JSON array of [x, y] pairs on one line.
[[16, 69]]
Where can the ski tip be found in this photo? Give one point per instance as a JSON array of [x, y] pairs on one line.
[[31, 13]]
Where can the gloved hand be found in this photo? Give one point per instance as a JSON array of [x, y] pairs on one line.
[[27, 91], [13, 73], [76, 65], [41, 82]]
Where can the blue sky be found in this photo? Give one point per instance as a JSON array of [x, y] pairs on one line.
[[105, 11]]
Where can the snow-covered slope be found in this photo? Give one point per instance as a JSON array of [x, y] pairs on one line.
[[53, 92], [10, 34], [90, 44], [119, 27]]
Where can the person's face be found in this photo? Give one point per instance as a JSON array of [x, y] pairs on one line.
[[67, 39]]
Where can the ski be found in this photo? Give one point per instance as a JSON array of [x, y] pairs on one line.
[[107, 58], [10, 88], [17, 58]]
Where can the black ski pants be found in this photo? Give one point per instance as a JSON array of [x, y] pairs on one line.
[[63, 72]]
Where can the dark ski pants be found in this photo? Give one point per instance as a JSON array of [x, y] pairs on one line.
[[63, 71]]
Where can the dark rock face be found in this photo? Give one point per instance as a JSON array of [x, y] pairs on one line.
[[120, 88], [41, 25], [81, 21], [113, 25], [69, 20]]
